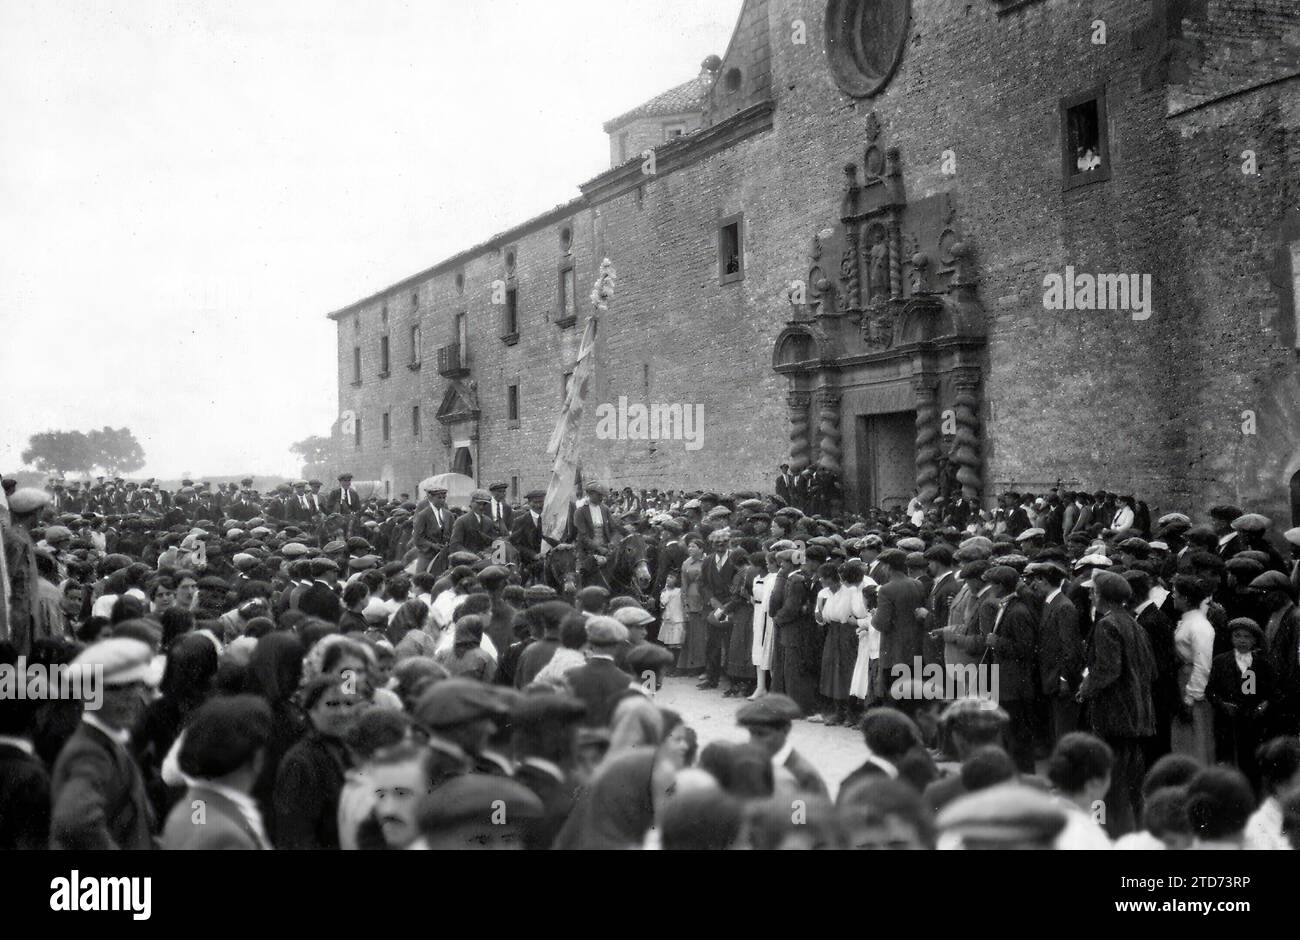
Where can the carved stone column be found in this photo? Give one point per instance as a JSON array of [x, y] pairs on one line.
[[800, 445], [927, 440], [966, 443], [895, 257], [828, 430]]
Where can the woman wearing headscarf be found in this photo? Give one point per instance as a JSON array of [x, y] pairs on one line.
[[311, 775], [274, 671], [406, 631], [187, 682], [466, 658]]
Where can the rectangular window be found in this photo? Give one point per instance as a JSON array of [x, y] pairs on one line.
[[383, 355], [731, 250], [417, 344], [568, 297], [514, 487], [356, 365], [673, 131], [356, 430], [387, 429], [415, 421], [1085, 139], [512, 403], [512, 311], [462, 334]]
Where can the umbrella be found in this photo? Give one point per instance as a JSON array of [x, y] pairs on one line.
[[458, 487]]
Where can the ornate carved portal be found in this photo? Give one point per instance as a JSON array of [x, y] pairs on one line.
[[889, 322]]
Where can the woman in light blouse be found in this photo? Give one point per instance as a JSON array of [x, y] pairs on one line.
[[1192, 732]]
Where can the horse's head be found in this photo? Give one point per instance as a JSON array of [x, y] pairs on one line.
[[628, 562], [561, 567]]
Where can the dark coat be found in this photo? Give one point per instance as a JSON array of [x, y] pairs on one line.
[[1120, 672], [471, 533], [307, 789], [1060, 649], [344, 501], [1012, 652], [557, 798], [901, 633], [526, 537], [24, 800], [431, 525], [98, 794], [587, 533], [599, 683]]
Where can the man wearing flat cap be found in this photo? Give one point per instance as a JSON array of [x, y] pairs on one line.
[[900, 607], [594, 531], [544, 730], [1282, 646], [345, 501], [25, 507], [526, 534], [431, 531], [1117, 690], [97, 790], [473, 531], [600, 683], [499, 511], [769, 720]]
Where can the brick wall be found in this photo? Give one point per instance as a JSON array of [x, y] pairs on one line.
[[1146, 406]]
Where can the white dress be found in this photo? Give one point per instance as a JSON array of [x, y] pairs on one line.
[[868, 643], [761, 648]]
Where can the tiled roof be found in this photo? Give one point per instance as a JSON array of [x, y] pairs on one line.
[[688, 96]]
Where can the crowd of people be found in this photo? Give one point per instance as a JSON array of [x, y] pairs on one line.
[[298, 670]]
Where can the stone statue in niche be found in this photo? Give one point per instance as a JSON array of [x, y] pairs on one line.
[[920, 273], [821, 291], [878, 326], [878, 268]]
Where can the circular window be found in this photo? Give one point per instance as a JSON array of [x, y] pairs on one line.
[[864, 41]]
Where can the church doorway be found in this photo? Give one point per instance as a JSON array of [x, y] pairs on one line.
[[886, 459]]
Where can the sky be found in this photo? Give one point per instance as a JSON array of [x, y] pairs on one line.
[[187, 189]]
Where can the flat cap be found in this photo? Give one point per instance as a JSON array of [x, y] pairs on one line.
[[1028, 534], [121, 661], [534, 711], [1272, 581], [605, 631], [1096, 561], [596, 487], [633, 616], [1228, 513], [1250, 626], [493, 576], [337, 545], [57, 533], [244, 560], [648, 657], [535, 494], [484, 798], [1252, 522], [911, 544], [1004, 575], [1173, 517], [768, 710], [457, 701], [28, 499], [480, 496], [1009, 814], [293, 550], [1112, 587]]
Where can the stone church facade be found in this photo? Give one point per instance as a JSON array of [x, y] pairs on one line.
[[836, 243]]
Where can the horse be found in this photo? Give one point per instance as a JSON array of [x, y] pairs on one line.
[[626, 571], [560, 570]]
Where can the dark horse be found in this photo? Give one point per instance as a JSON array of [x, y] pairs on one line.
[[560, 570], [626, 571]]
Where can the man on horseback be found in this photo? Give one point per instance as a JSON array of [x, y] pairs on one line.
[[595, 531], [526, 535], [473, 532]]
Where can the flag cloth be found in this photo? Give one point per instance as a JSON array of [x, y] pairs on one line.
[[564, 441]]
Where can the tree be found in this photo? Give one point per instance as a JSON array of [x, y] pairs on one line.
[[116, 450], [315, 452], [59, 452]]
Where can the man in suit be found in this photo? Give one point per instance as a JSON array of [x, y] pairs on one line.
[[1281, 642], [1117, 691], [526, 534], [222, 755], [499, 511], [314, 502], [715, 582], [544, 729], [97, 791], [431, 529], [346, 502], [600, 683], [1010, 643], [473, 531], [939, 558], [24, 782], [594, 530], [890, 737], [785, 484], [794, 671], [1159, 629], [769, 720], [321, 599], [901, 633], [1060, 647]]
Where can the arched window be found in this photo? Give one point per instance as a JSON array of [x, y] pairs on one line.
[[797, 347]]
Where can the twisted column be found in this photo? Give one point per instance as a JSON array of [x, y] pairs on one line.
[[895, 258], [828, 430], [800, 444], [927, 441], [966, 443]]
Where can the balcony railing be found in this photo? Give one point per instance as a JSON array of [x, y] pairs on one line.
[[450, 362]]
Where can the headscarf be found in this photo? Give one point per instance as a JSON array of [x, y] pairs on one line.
[[410, 616], [617, 809], [275, 667]]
